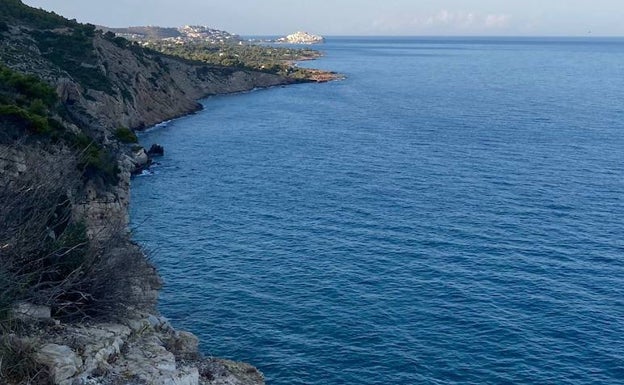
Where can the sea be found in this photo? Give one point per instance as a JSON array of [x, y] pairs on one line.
[[452, 212]]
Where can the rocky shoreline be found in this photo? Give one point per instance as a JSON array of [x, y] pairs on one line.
[[142, 347], [128, 88]]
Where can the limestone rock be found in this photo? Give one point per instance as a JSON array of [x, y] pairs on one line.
[[100, 344], [185, 345], [62, 362], [149, 361], [156, 150], [68, 91], [25, 310], [225, 372], [140, 161], [141, 158]]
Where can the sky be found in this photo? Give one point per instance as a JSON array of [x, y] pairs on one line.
[[358, 17]]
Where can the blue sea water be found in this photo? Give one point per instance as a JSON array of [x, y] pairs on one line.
[[451, 213]]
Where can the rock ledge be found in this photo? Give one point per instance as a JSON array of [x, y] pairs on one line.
[[142, 351]]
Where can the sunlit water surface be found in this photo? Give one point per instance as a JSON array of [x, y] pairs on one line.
[[452, 213]]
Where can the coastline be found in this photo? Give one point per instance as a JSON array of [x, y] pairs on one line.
[[139, 346], [231, 372], [102, 326]]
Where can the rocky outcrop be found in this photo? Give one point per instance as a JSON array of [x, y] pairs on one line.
[[137, 89], [141, 351], [156, 150], [61, 362]]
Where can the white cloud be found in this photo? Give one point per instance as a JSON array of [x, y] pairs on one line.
[[444, 21], [445, 17], [497, 21]]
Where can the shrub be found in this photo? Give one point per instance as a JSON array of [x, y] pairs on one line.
[[36, 123], [26, 87], [69, 251], [95, 161], [17, 361], [126, 135], [71, 52], [35, 210], [47, 256]]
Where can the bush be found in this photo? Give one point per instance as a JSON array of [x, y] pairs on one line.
[[126, 135], [18, 363], [47, 256], [35, 211], [36, 123], [69, 251], [38, 18], [95, 161], [26, 87], [71, 52]]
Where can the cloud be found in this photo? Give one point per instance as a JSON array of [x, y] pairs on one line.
[[444, 21], [461, 19], [447, 18], [497, 21]]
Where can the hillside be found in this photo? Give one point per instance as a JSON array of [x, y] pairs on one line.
[[77, 296], [186, 34]]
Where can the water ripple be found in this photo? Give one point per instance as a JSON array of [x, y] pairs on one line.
[[458, 224]]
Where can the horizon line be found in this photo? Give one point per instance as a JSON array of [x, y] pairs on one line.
[[448, 36]]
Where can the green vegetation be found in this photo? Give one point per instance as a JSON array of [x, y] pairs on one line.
[[276, 60], [26, 100], [65, 43], [29, 105], [126, 135], [96, 162], [11, 10], [73, 51]]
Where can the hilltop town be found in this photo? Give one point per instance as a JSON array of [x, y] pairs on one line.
[[180, 35]]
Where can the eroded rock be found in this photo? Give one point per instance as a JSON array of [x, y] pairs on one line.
[[25, 310], [156, 150], [61, 361]]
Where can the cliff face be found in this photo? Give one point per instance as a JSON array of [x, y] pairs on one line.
[[151, 88], [103, 84], [140, 88]]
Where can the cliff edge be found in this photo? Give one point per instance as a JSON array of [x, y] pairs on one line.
[[77, 295]]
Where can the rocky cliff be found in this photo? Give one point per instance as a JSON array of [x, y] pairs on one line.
[[78, 296]]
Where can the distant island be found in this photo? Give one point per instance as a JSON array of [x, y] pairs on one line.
[[301, 38]]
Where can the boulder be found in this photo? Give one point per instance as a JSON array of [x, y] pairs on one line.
[[61, 361], [141, 158], [185, 345], [156, 150], [69, 92], [25, 310]]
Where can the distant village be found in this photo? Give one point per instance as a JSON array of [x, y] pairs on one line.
[[181, 35], [301, 38], [197, 33]]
